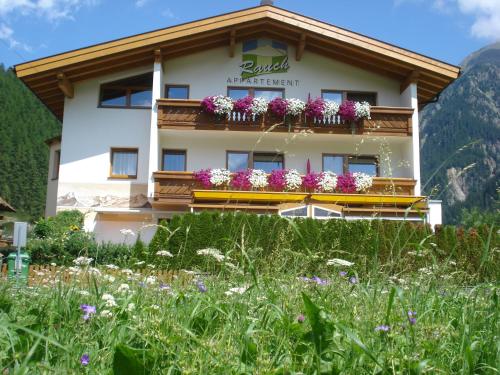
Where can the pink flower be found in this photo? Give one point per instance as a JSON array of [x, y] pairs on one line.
[[241, 180], [310, 181], [315, 108], [244, 105], [278, 106], [277, 179], [203, 177], [347, 111], [346, 183], [208, 104]]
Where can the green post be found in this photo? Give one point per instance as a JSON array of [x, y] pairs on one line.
[[25, 266]]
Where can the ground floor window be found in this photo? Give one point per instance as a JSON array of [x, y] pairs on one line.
[[312, 211]]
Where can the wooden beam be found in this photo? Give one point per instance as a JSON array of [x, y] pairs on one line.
[[412, 78], [232, 43], [300, 47], [65, 85], [158, 56]]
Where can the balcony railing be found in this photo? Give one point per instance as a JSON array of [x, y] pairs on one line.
[[178, 190], [188, 114]]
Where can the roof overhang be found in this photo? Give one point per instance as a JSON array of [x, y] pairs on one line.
[[51, 78], [4, 206]]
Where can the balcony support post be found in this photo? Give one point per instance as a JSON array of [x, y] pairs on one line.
[[153, 163], [409, 98]]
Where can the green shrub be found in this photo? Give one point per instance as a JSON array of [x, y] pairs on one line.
[[63, 223]]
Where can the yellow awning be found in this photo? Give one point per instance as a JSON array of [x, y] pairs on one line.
[[247, 196]]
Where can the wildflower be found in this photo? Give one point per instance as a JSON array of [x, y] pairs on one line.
[[84, 293], [342, 273], [412, 317], [232, 291], [382, 328], [165, 287], [53, 264], [85, 360], [301, 318], [201, 286], [82, 261], [109, 278], [353, 280], [131, 307], [88, 311], [127, 232], [140, 263], [112, 267], [94, 271], [126, 271], [123, 288], [319, 281], [109, 300], [106, 314], [150, 280], [214, 253], [155, 307], [164, 253], [339, 262]]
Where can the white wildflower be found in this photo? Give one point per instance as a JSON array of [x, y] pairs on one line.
[[131, 307], [164, 253], [150, 280], [84, 293], [107, 297], [110, 303], [214, 253], [155, 307], [53, 264], [94, 271], [109, 278], [106, 314], [258, 178], [339, 262], [123, 288], [239, 290], [140, 263], [126, 271], [83, 261], [112, 267]]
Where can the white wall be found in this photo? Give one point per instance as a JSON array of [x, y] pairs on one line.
[[207, 149], [207, 73]]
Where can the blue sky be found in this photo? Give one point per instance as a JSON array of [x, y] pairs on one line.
[[444, 29]]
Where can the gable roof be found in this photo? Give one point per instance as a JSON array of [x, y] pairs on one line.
[[43, 76]]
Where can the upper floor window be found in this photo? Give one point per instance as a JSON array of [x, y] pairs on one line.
[[333, 163], [238, 160], [268, 161], [177, 91], [124, 162], [355, 96], [55, 165], [132, 92], [340, 164], [268, 94], [174, 160]]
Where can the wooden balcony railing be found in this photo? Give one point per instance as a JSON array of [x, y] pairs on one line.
[[174, 190], [188, 114]]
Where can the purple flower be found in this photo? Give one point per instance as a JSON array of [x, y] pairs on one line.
[[244, 105], [301, 318], [319, 281], [201, 286], [88, 311], [164, 287], [412, 317], [315, 108], [382, 328], [241, 180], [353, 280], [85, 359], [208, 104], [346, 184], [203, 177], [311, 181], [347, 111], [277, 179], [343, 273], [278, 107]]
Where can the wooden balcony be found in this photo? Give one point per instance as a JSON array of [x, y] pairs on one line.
[[188, 115], [179, 191]]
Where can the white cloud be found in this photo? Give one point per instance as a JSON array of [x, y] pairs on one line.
[[7, 35], [50, 9], [486, 14], [141, 3], [168, 13]]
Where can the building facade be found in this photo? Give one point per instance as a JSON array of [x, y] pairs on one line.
[[134, 128]]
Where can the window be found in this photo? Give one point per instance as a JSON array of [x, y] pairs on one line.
[[364, 164], [55, 166], [369, 97], [268, 161], [132, 92], [333, 96], [325, 214], [333, 163], [268, 94], [295, 212], [238, 160], [177, 91], [174, 160], [124, 162]]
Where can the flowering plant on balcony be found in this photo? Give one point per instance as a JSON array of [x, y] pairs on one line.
[[331, 108], [293, 180], [347, 111], [251, 106], [320, 108], [295, 107], [219, 105], [346, 184], [311, 181], [362, 110], [278, 107], [259, 106], [362, 181], [258, 179], [241, 180], [327, 182], [277, 179], [213, 177]]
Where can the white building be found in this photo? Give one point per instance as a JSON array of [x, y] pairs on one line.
[[134, 130]]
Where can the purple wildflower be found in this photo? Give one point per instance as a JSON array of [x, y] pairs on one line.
[[353, 280], [382, 328], [201, 286], [412, 317], [301, 318], [88, 311], [165, 287], [85, 360], [319, 281], [343, 273], [347, 111]]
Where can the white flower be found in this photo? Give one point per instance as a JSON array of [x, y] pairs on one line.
[[258, 178], [155, 307], [83, 261], [164, 253], [131, 307], [362, 110], [127, 232], [106, 314], [94, 271], [150, 280], [110, 303], [213, 253], [140, 263], [223, 105], [84, 293], [232, 291], [295, 107], [109, 278], [220, 176], [126, 271], [53, 264], [293, 180], [363, 181], [112, 267], [107, 297], [327, 181], [259, 106], [123, 288], [339, 262], [331, 108]]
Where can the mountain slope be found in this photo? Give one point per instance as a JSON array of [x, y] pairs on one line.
[[460, 149], [24, 126]]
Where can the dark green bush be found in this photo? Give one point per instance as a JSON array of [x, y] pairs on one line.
[[57, 226]]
